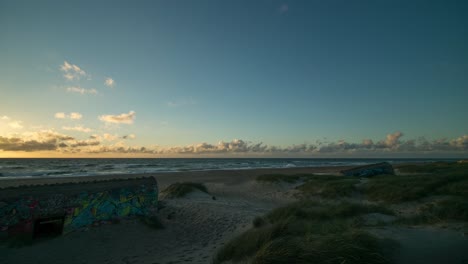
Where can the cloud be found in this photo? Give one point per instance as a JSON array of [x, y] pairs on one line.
[[60, 115], [130, 136], [392, 140], [17, 144], [78, 128], [393, 143], [72, 71], [110, 137], [283, 8], [34, 141], [46, 135], [119, 119], [84, 143], [72, 115], [75, 115], [75, 89], [109, 82], [16, 124]]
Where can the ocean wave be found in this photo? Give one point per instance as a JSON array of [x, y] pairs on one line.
[[16, 167]]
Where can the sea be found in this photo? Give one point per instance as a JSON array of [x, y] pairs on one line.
[[21, 168]]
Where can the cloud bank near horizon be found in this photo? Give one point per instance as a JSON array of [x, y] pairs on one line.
[[48, 140]]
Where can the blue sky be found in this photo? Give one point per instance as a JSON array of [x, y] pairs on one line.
[[327, 74]]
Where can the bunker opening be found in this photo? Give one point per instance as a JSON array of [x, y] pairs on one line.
[[48, 227]]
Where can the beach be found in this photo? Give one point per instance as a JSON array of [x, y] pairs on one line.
[[198, 224]]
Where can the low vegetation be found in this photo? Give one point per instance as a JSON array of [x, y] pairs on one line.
[[434, 167], [277, 178], [329, 186], [448, 179], [332, 232], [449, 209], [308, 232], [178, 189]]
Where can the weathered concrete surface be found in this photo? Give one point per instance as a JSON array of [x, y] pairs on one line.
[[78, 204], [370, 170]]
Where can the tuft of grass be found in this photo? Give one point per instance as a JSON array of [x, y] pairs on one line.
[[245, 245], [350, 247], [434, 167], [178, 189], [315, 211], [402, 188], [307, 232], [329, 186], [276, 178], [454, 208], [449, 209]]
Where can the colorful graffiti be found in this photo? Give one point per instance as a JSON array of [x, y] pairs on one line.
[[79, 210]]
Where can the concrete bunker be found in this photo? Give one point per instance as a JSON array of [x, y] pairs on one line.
[[49, 210]]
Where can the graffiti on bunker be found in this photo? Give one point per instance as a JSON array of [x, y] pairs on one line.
[[78, 210]]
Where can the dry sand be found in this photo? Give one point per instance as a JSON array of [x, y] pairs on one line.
[[197, 225]]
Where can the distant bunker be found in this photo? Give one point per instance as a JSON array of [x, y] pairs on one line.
[[370, 170], [54, 209]]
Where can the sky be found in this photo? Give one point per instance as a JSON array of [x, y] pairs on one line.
[[368, 78]]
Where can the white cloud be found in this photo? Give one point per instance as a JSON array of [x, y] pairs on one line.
[[78, 128], [110, 137], [392, 139], [119, 119], [60, 115], [72, 115], [109, 82], [130, 136], [72, 71], [74, 89], [75, 115], [16, 124], [45, 135]]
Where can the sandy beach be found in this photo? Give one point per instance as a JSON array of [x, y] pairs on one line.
[[197, 225]]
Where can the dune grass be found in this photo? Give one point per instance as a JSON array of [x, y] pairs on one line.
[[449, 209], [329, 186], [308, 232], [179, 189], [277, 178], [403, 188], [434, 167]]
